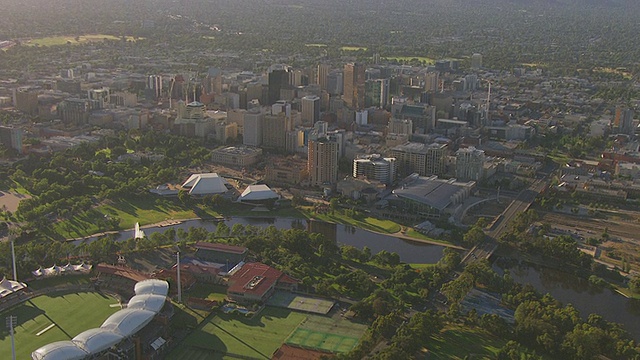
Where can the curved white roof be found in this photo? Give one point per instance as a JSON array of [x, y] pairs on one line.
[[128, 321], [149, 302], [8, 287], [152, 286], [60, 350], [203, 184], [258, 192], [95, 340]]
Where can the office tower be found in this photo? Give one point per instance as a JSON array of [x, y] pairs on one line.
[[626, 125], [375, 167], [252, 129], [310, 109], [420, 158], [476, 61], [26, 101], [354, 79], [335, 82], [278, 80], [11, 138], [362, 117], [274, 130], [214, 81], [281, 106], [322, 73], [75, 111], [101, 96], [431, 82], [154, 85], [469, 164], [470, 82], [400, 126], [322, 162], [66, 73], [254, 92], [376, 93]]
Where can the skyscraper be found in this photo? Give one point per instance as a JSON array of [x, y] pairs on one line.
[[252, 128], [278, 79], [310, 109], [322, 73], [322, 162], [376, 93], [375, 167], [469, 164], [154, 85], [274, 130], [354, 79], [476, 61]]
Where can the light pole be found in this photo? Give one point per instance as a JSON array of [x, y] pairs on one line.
[[11, 323], [13, 254], [178, 276]]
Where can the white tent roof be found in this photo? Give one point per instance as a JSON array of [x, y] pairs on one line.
[[95, 340], [258, 192], [149, 302], [8, 287], [203, 184], [152, 286], [60, 350], [128, 321]]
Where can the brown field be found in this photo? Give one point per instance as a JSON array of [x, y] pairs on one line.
[[9, 201]]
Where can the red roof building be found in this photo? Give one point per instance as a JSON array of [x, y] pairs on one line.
[[255, 282]]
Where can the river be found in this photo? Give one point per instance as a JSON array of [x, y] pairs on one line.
[[409, 251], [585, 297]]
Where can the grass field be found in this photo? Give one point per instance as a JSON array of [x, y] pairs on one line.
[[62, 40], [256, 338], [71, 313], [353, 48], [412, 233], [409, 58], [325, 333], [208, 292], [145, 211], [457, 343], [367, 223]]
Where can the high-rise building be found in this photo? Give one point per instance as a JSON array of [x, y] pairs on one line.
[[431, 82], [322, 73], [278, 80], [476, 61], [281, 106], [154, 85], [354, 79], [335, 82], [626, 125], [26, 101], [101, 96], [469, 164], [420, 158], [252, 129], [376, 93], [400, 126], [322, 162], [75, 111], [375, 167], [310, 109], [11, 138], [274, 130]]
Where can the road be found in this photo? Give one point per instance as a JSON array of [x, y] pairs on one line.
[[521, 203]]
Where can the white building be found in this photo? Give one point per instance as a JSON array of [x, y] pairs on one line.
[[375, 167], [469, 164]]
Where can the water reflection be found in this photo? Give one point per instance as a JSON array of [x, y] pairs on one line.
[[410, 252], [579, 292]]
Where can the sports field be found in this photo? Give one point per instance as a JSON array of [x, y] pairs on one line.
[[255, 338], [70, 314], [302, 303], [324, 333]]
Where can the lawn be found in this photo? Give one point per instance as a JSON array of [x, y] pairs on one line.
[[59, 280], [325, 333], [412, 233], [257, 338], [62, 40], [456, 342], [353, 48], [208, 292], [72, 314], [367, 223], [410, 58], [146, 211]]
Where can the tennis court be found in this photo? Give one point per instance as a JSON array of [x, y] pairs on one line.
[[300, 303], [324, 333]]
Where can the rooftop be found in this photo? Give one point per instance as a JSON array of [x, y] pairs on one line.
[[232, 249], [434, 192]]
